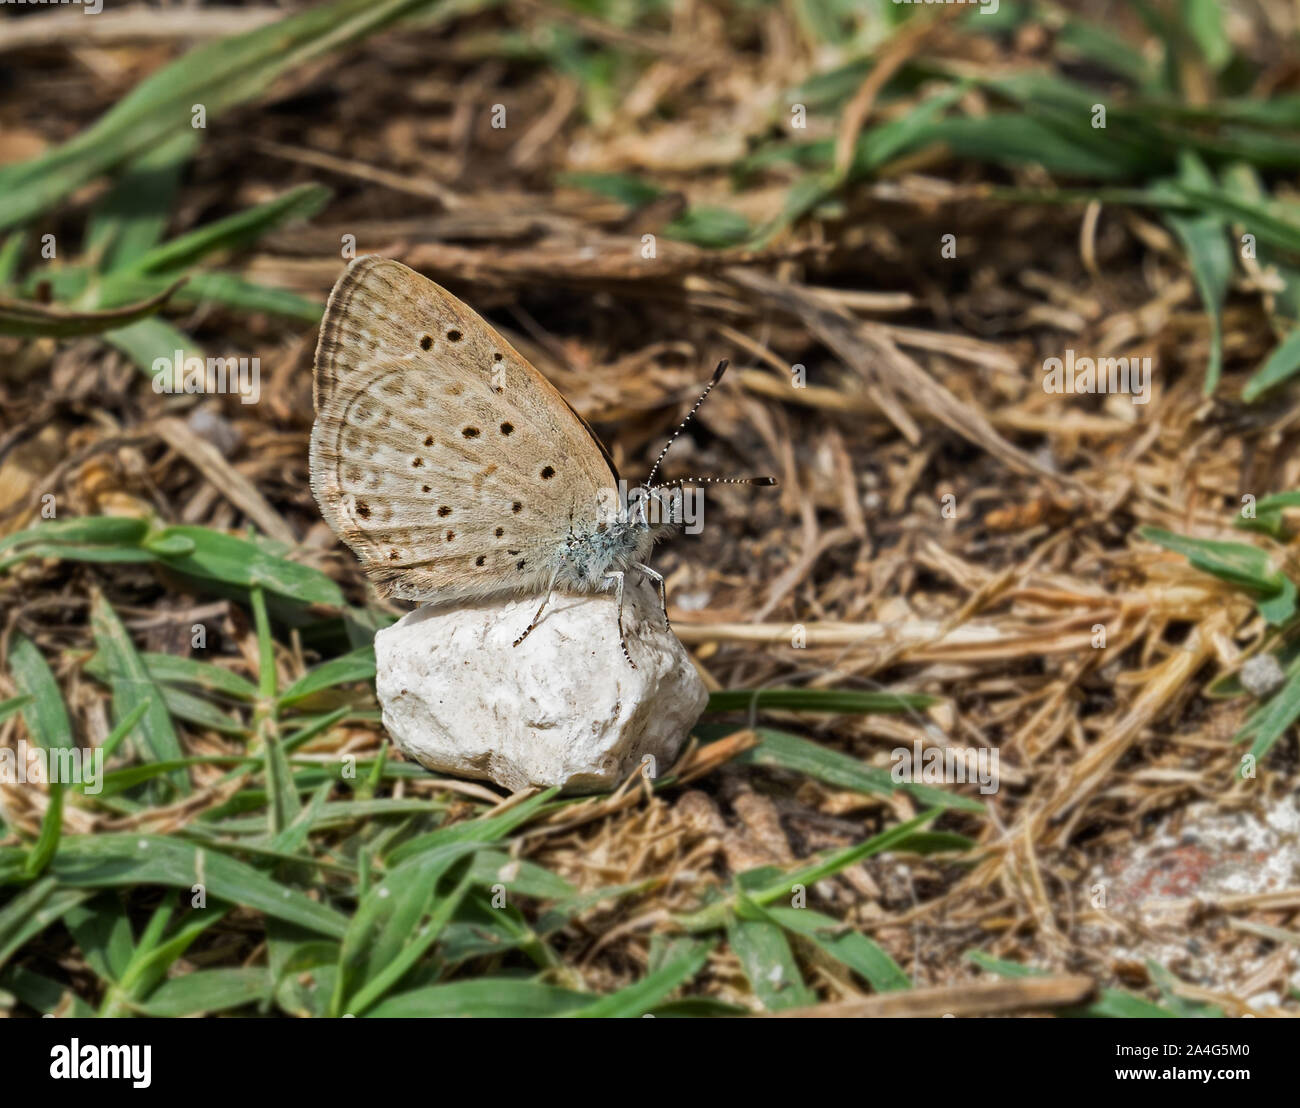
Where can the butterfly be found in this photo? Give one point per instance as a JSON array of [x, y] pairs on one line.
[[455, 471]]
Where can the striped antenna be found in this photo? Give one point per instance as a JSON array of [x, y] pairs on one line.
[[717, 376], [677, 481]]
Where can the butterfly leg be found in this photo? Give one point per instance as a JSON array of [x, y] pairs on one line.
[[533, 622], [617, 578], [658, 579]]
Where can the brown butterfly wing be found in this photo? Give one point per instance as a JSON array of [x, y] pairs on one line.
[[439, 455]]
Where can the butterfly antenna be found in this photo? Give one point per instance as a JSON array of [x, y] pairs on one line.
[[717, 376], [678, 481]]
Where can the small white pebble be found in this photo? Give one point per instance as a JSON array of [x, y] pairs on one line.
[[1262, 674]]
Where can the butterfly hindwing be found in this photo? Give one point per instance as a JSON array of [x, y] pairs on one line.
[[450, 465]]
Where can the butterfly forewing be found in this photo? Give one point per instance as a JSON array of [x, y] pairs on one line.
[[439, 455]]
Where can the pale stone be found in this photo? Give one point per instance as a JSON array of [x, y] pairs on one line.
[[563, 708], [1261, 675]]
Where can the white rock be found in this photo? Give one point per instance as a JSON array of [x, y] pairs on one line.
[[1261, 674], [563, 708]]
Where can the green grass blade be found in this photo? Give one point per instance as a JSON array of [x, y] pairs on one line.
[[202, 992], [768, 963], [45, 714], [1205, 239], [786, 751], [33, 910], [845, 945], [148, 340], [1281, 365], [30, 320], [154, 955], [115, 737], [771, 889], [131, 219], [51, 830], [234, 292], [131, 685], [485, 830], [387, 917], [233, 232], [638, 998], [97, 530], [405, 959], [172, 669], [45, 995], [102, 930], [11, 257], [358, 665], [1238, 564], [839, 701], [483, 997], [239, 562], [109, 860], [1272, 719]]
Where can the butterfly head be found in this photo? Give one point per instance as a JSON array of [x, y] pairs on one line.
[[630, 521]]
